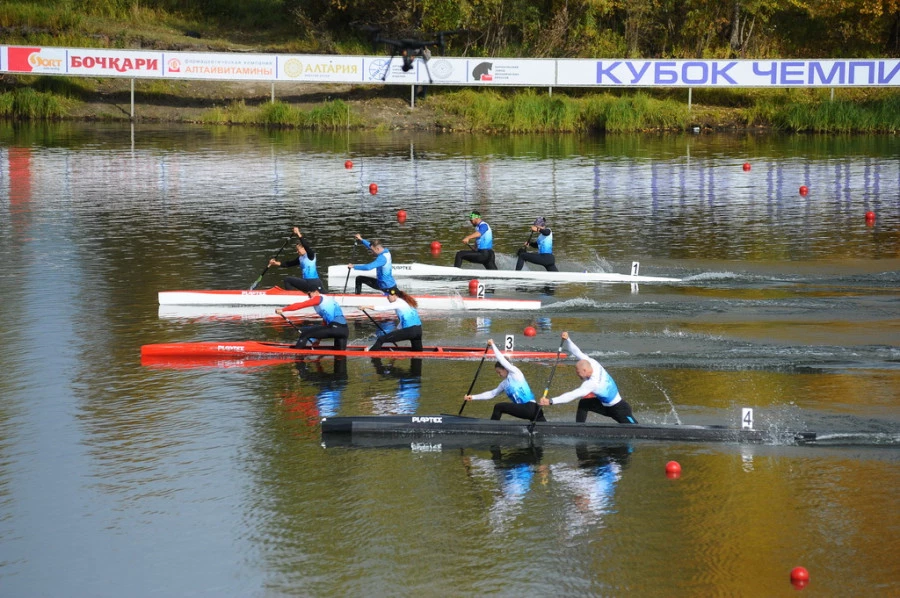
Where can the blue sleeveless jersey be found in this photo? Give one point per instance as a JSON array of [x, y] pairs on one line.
[[330, 311], [407, 314], [486, 240], [308, 267], [517, 389], [545, 243]]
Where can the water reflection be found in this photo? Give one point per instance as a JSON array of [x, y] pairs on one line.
[[585, 489], [330, 384], [409, 386], [512, 471], [591, 484]]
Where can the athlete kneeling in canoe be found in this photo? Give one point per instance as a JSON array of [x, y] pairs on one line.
[[544, 244], [410, 325], [306, 259], [516, 387], [598, 392], [335, 325], [382, 264]]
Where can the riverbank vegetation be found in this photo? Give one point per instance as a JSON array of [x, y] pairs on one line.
[[576, 28]]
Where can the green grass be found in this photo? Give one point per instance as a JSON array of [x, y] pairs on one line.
[[330, 115], [875, 115], [28, 104], [528, 111]]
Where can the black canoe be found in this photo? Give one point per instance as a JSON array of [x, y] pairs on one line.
[[432, 426]]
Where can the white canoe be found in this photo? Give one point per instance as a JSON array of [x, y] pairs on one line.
[[337, 275], [277, 297], [241, 313]]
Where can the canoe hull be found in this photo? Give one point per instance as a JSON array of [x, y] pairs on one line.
[[437, 426], [337, 275]]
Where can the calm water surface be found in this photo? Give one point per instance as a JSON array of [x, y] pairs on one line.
[[119, 479]]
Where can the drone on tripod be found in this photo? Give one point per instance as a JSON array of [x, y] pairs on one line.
[[409, 49]]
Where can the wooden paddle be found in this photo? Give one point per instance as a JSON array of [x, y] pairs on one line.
[[266, 269], [540, 408], [472, 385]]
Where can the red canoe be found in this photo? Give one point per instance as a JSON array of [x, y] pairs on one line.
[[263, 350]]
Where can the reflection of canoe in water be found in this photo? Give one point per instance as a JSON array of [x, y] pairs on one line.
[[278, 297], [187, 363], [434, 427], [262, 349], [337, 275]]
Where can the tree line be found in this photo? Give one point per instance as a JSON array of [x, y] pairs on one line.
[[618, 28], [700, 29]]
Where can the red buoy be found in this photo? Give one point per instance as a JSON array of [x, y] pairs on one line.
[[673, 469], [435, 246], [373, 188], [530, 331], [348, 164], [799, 577], [401, 216], [870, 216], [804, 190], [746, 166], [473, 286]]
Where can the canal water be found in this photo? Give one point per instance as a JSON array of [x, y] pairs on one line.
[[118, 478]]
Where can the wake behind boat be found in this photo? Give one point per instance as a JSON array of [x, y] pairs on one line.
[[278, 297], [263, 349], [337, 275], [438, 426]]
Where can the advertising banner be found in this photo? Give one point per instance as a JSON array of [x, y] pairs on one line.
[[729, 73], [200, 65], [463, 71], [321, 69], [39, 61], [114, 63]]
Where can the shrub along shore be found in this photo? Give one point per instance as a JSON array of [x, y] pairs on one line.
[[463, 109]]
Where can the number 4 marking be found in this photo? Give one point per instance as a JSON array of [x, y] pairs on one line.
[[746, 419]]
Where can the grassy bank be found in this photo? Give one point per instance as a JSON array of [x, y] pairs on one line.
[[460, 109]]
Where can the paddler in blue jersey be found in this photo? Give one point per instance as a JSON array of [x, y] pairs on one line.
[[598, 391], [484, 245], [516, 387], [383, 280], [410, 325], [544, 243], [306, 259], [334, 326]]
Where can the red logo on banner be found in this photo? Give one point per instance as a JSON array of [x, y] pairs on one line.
[[174, 65], [19, 59]]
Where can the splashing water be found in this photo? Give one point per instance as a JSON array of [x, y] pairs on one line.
[[664, 394]]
